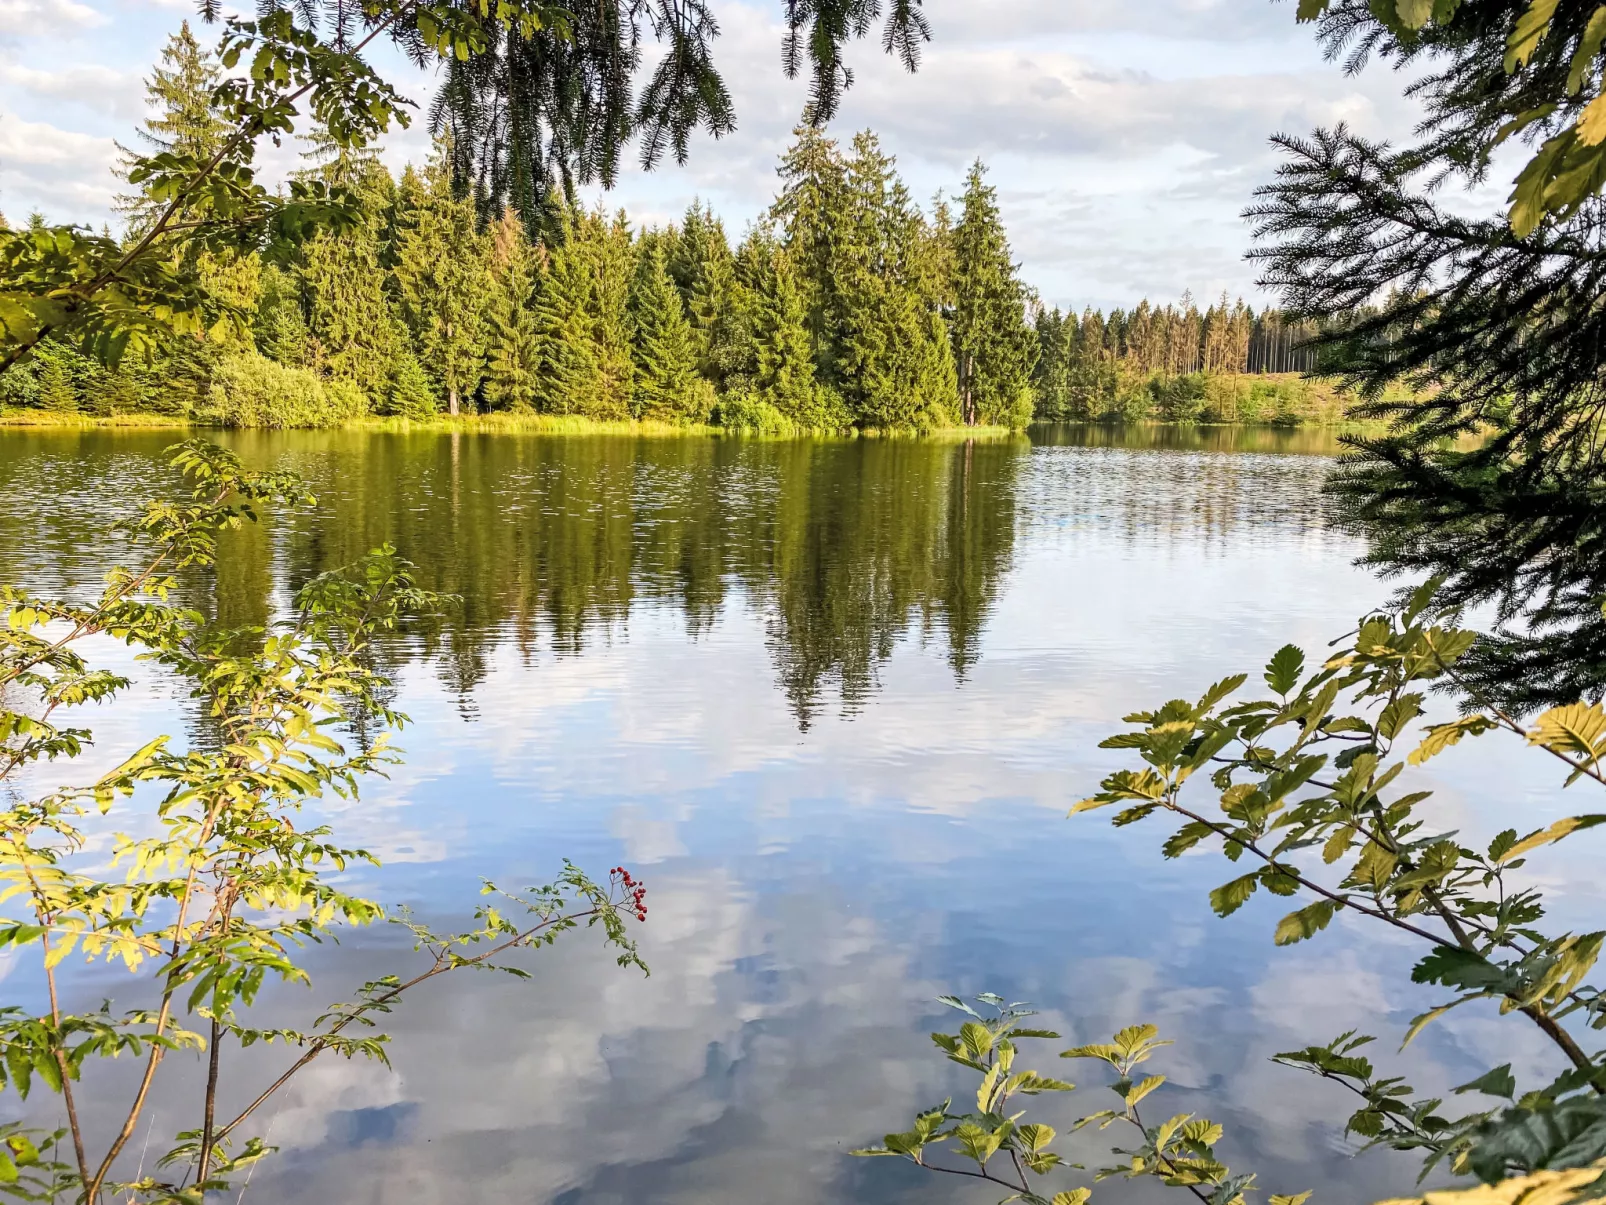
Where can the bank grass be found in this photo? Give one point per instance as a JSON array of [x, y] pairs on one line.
[[19, 416], [530, 423]]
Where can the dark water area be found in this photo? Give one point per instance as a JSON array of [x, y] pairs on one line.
[[832, 701]]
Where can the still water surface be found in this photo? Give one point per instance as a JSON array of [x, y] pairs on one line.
[[832, 701]]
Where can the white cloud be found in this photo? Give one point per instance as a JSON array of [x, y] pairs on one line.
[[34, 18], [66, 173], [105, 90]]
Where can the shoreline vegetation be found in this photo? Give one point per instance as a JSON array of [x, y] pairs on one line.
[[847, 306]]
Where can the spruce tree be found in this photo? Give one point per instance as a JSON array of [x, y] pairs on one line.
[[812, 211], [512, 339], [667, 386], [568, 378], [612, 257], [355, 332], [442, 279], [185, 120], [993, 346], [783, 360], [892, 358], [411, 393], [56, 389]]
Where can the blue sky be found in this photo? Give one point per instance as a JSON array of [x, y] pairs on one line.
[[1124, 136]]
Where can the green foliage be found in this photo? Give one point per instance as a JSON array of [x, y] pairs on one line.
[[667, 386], [1008, 1152], [1174, 364], [56, 390], [220, 893], [993, 347], [412, 395], [892, 361], [512, 341], [1546, 89], [1305, 789], [443, 278], [742, 410], [250, 390], [357, 334]]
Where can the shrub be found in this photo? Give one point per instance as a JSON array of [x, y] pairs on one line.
[[250, 390], [743, 410]]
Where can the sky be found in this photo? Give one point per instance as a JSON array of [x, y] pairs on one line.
[[1124, 137]]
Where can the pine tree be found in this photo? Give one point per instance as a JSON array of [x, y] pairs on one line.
[[784, 361], [442, 278], [892, 358], [568, 379], [993, 346], [186, 122], [667, 386], [281, 327], [411, 394], [56, 390], [811, 209], [357, 336], [512, 336], [611, 261]]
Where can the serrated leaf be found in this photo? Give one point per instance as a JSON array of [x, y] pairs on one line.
[[1548, 836], [1305, 923], [1441, 736], [1527, 33], [1229, 897], [1284, 668], [1497, 1082]]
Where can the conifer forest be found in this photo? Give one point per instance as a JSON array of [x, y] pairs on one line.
[[850, 305]]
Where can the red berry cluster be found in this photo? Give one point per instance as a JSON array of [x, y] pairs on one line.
[[636, 888]]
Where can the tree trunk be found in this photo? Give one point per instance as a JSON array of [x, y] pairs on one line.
[[451, 400]]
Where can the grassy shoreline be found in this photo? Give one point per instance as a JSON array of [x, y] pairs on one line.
[[537, 424], [562, 424]]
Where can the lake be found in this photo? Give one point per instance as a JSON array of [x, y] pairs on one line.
[[831, 700]]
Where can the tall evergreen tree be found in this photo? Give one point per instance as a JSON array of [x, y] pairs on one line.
[[184, 122], [356, 336], [784, 360], [442, 277], [667, 386], [892, 356], [811, 209], [568, 377], [512, 338], [993, 346]]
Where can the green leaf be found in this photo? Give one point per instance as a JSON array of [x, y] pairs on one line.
[[1283, 670], [1305, 923], [1548, 836], [1220, 691], [1141, 1089], [1079, 1196], [1498, 1082], [1528, 199], [1309, 10], [1423, 1020], [1528, 32], [1298, 1198], [1414, 14], [1229, 897], [1441, 736], [1455, 967]]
